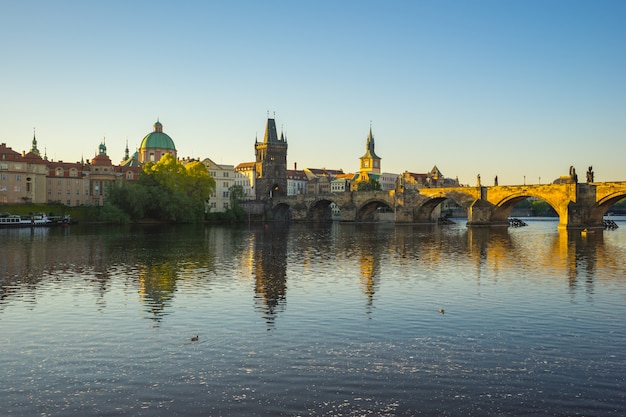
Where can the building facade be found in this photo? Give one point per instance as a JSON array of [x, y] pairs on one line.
[[22, 177], [225, 177]]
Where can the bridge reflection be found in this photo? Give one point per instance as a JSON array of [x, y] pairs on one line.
[[161, 263]]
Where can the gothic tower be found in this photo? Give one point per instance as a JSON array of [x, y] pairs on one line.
[[271, 163], [370, 162]]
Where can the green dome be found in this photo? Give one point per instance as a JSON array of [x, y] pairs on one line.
[[157, 139]]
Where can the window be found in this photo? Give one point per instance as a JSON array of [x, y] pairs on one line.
[[226, 174], [69, 203], [225, 205], [17, 188], [18, 177], [225, 194], [73, 173]]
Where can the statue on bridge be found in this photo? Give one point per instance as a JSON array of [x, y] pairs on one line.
[[590, 174], [478, 180], [495, 181], [572, 174]]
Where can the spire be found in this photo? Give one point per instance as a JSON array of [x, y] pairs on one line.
[[126, 153], [34, 144], [370, 145], [270, 132], [102, 149]]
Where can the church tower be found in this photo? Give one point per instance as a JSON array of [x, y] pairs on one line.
[[34, 149], [370, 162], [271, 163]]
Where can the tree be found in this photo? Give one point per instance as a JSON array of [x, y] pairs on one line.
[[167, 190], [371, 185]]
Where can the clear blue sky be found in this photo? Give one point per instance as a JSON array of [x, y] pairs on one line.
[[507, 88]]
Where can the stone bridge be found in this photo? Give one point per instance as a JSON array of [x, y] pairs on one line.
[[579, 205]]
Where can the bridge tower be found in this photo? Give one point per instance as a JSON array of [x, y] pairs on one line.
[[370, 162], [271, 163]]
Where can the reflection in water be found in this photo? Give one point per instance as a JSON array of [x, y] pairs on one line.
[[270, 269], [157, 258]]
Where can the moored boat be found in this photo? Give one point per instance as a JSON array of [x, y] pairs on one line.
[[32, 220]]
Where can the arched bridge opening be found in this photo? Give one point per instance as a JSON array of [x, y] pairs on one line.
[[281, 213], [375, 211], [524, 205], [320, 211], [604, 206], [429, 211]]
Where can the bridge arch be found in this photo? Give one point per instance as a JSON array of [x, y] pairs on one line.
[[423, 212], [320, 210], [596, 216], [281, 212], [370, 211], [503, 207]]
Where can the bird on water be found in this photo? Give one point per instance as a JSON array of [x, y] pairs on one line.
[[194, 338], [442, 311]]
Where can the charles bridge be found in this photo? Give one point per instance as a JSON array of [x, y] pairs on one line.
[[578, 205]]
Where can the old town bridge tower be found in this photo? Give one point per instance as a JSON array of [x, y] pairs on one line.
[[271, 163]]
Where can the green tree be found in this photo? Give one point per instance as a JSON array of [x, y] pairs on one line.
[[199, 184], [371, 185], [167, 190], [236, 195]]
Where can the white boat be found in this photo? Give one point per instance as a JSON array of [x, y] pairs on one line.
[[31, 220]]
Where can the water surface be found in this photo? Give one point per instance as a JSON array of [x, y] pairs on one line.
[[312, 320]]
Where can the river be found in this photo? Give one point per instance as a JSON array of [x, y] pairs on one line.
[[313, 320]]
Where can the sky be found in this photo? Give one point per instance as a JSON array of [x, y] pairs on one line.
[[518, 89]]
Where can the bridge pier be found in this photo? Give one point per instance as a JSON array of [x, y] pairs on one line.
[[481, 213]]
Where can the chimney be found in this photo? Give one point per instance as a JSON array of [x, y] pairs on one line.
[[295, 166]]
